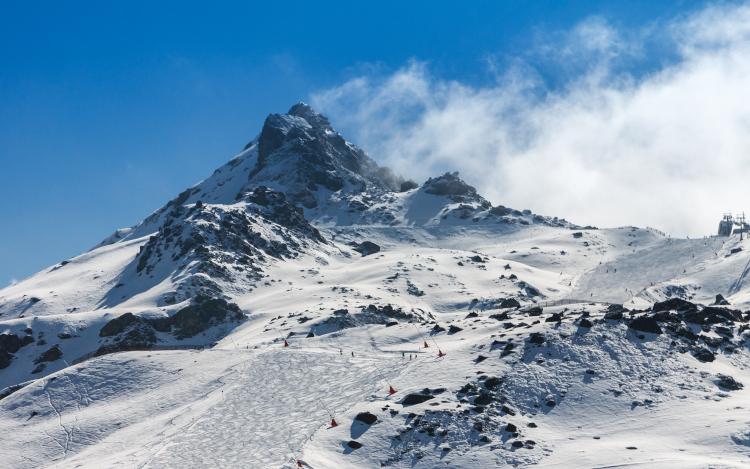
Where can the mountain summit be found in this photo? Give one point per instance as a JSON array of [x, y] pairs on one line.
[[302, 155]]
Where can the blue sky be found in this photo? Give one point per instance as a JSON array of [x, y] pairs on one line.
[[110, 109]]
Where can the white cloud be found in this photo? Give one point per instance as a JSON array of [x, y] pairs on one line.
[[13, 281], [670, 148]]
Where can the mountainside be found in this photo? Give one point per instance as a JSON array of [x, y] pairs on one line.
[[262, 317]]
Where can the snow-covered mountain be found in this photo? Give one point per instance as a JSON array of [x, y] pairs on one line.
[[301, 282]]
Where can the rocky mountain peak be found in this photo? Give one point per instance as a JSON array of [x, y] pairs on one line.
[[312, 117], [300, 153]]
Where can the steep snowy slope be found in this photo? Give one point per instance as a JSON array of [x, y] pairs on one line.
[[302, 282]]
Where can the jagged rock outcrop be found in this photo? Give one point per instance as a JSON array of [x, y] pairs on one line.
[[300, 153]]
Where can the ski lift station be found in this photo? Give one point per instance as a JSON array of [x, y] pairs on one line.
[[730, 224]]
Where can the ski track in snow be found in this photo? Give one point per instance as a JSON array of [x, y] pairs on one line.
[[246, 428]]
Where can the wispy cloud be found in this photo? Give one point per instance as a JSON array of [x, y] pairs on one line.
[[609, 146]]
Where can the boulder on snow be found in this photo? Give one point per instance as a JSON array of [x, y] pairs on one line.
[[50, 355], [727, 382], [354, 444], [555, 317], [366, 417], [500, 316], [615, 315], [703, 354], [510, 303], [535, 311], [645, 324], [366, 248], [416, 398], [453, 329], [615, 312], [585, 323]]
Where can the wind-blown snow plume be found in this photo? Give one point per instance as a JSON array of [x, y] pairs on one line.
[[620, 141]]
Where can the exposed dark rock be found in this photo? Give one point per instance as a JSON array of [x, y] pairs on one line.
[[483, 399], [118, 325], [413, 289], [613, 315], [703, 354], [416, 398], [585, 323], [727, 382], [5, 359], [50, 355], [453, 329], [408, 185], [9, 343], [492, 382], [720, 300], [712, 315], [500, 316], [202, 315], [645, 324], [554, 317], [449, 184], [501, 211], [677, 304], [138, 336], [366, 248], [510, 303], [353, 444], [535, 311], [507, 410], [536, 338], [366, 418]]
